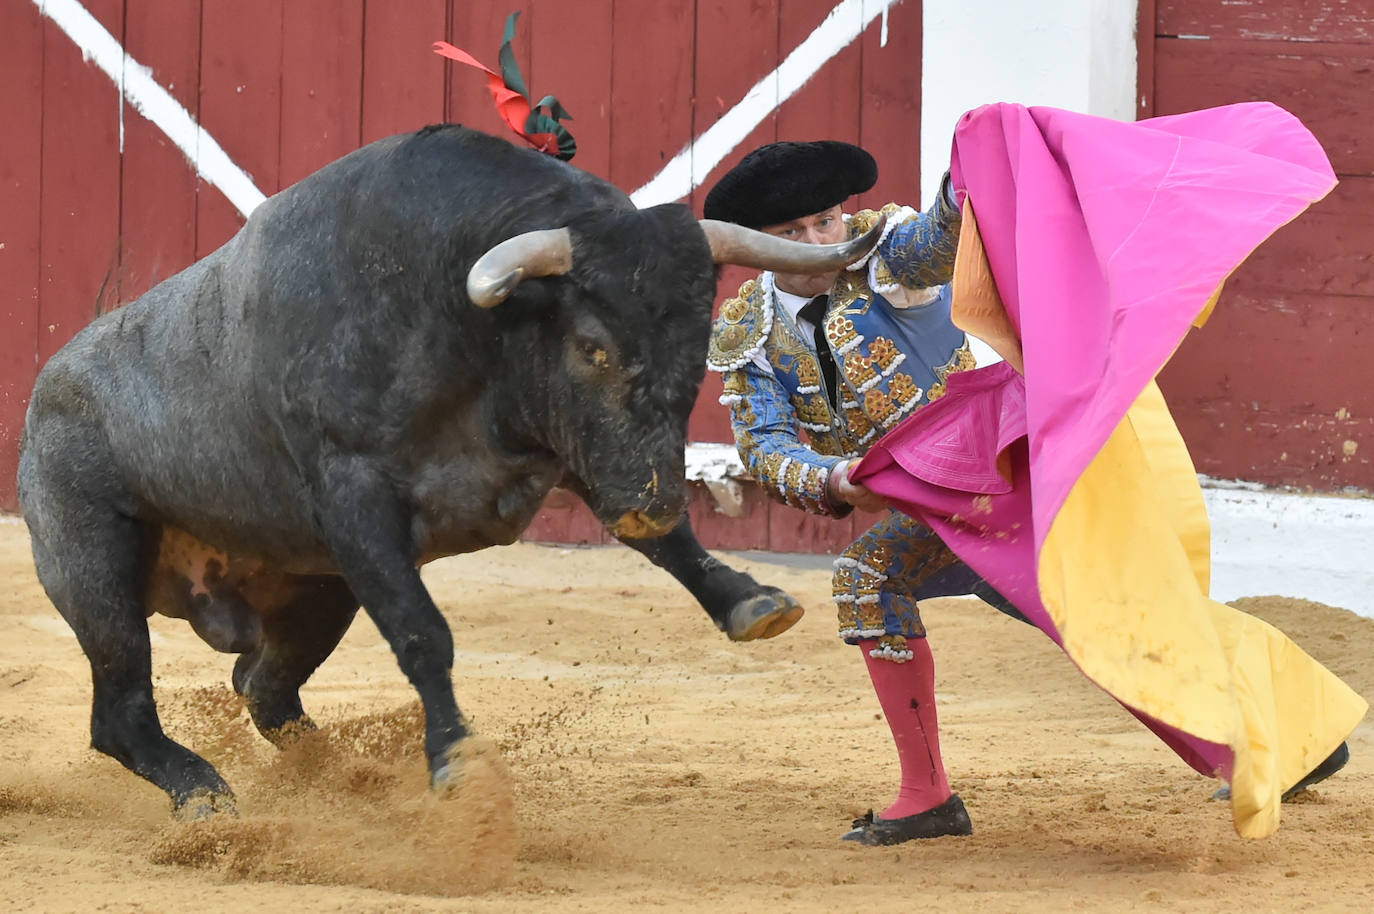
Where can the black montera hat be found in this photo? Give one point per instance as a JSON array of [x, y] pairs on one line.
[[785, 181]]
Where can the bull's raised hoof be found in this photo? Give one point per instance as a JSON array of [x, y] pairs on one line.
[[739, 606], [765, 615]]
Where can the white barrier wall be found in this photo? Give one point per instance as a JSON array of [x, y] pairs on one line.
[[1074, 54]]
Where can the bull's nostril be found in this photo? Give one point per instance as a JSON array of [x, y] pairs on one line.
[[639, 525]]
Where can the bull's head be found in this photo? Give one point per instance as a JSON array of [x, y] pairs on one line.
[[629, 321]]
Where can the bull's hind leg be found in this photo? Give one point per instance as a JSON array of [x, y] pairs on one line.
[[87, 556], [296, 639]]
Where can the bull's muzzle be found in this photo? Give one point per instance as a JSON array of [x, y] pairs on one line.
[[638, 525]]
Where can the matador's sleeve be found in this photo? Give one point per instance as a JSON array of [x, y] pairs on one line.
[[768, 436], [917, 249], [766, 426]]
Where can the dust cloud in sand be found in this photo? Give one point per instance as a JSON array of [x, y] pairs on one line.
[[631, 757]]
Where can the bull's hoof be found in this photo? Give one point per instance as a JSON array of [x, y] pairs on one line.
[[473, 759], [204, 804], [766, 615]]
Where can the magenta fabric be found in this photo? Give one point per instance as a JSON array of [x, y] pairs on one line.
[[992, 532], [1106, 240]]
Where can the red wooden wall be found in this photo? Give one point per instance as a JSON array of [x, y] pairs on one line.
[[286, 87], [1279, 387]]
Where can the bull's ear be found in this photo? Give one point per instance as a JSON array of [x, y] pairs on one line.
[[547, 252], [736, 244]]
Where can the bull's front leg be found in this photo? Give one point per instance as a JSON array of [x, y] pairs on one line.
[[367, 529], [740, 606]]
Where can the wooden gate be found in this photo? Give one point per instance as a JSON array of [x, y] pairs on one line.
[[97, 203], [1279, 388]]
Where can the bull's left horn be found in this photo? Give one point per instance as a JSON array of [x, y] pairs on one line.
[[736, 244], [496, 273]]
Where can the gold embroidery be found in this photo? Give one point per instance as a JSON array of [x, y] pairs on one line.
[[904, 391], [744, 322], [771, 465], [858, 422], [883, 351], [731, 337], [870, 616], [813, 409], [840, 332], [882, 274], [880, 407], [860, 372], [961, 360]]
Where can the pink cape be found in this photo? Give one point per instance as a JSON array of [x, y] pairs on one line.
[[1106, 240]]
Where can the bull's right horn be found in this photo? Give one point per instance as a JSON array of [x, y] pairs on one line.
[[547, 252], [731, 243]]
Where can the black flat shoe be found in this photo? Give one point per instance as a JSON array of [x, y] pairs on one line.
[[1334, 762], [949, 818]]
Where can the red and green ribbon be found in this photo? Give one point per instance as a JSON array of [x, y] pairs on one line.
[[537, 125]]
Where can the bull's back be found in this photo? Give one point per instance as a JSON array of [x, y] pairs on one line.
[[153, 401]]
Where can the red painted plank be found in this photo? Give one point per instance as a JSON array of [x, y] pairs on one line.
[[736, 46], [1272, 387], [240, 104], [476, 27], [321, 84], [1323, 453], [565, 518], [158, 184], [793, 530], [1323, 84], [1147, 15], [79, 238], [570, 49], [1328, 249], [1300, 20], [21, 111], [651, 92], [890, 106], [717, 530], [404, 82], [827, 107]]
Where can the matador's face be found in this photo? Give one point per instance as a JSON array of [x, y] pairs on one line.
[[825, 227]]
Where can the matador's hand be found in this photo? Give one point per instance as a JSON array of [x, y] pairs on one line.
[[841, 490]]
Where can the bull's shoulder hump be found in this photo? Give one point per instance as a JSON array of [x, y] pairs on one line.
[[744, 324]]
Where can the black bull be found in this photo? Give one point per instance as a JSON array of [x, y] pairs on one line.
[[288, 428]]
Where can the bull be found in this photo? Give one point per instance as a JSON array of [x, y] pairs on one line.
[[392, 361]]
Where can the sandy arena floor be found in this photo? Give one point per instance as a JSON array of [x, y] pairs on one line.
[[646, 763]]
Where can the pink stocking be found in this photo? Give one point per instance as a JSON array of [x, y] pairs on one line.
[[906, 692]]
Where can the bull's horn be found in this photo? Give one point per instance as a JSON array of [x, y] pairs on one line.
[[496, 273], [736, 244]]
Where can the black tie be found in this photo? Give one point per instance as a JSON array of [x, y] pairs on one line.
[[814, 311]]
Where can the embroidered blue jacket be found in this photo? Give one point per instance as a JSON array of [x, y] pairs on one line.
[[888, 326]]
